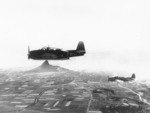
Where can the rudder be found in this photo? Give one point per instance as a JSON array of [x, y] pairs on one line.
[[133, 75], [80, 46]]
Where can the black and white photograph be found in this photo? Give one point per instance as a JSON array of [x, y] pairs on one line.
[[74, 56]]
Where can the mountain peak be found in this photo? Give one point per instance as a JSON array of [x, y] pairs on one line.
[[45, 65]]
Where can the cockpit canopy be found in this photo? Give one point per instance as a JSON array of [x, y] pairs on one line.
[[50, 48]]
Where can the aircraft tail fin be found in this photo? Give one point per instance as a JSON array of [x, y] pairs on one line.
[[81, 47], [133, 75]]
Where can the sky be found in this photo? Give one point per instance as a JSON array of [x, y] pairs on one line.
[[118, 30]]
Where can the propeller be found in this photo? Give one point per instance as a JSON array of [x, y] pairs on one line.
[[28, 51]]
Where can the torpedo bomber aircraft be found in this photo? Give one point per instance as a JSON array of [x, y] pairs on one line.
[[48, 53]]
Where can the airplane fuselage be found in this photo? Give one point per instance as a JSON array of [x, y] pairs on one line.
[[56, 54], [125, 79]]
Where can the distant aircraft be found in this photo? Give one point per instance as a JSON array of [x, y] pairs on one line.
[[125, 79], [48, 53]]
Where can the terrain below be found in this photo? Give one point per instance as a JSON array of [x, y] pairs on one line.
[[53, 89]]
